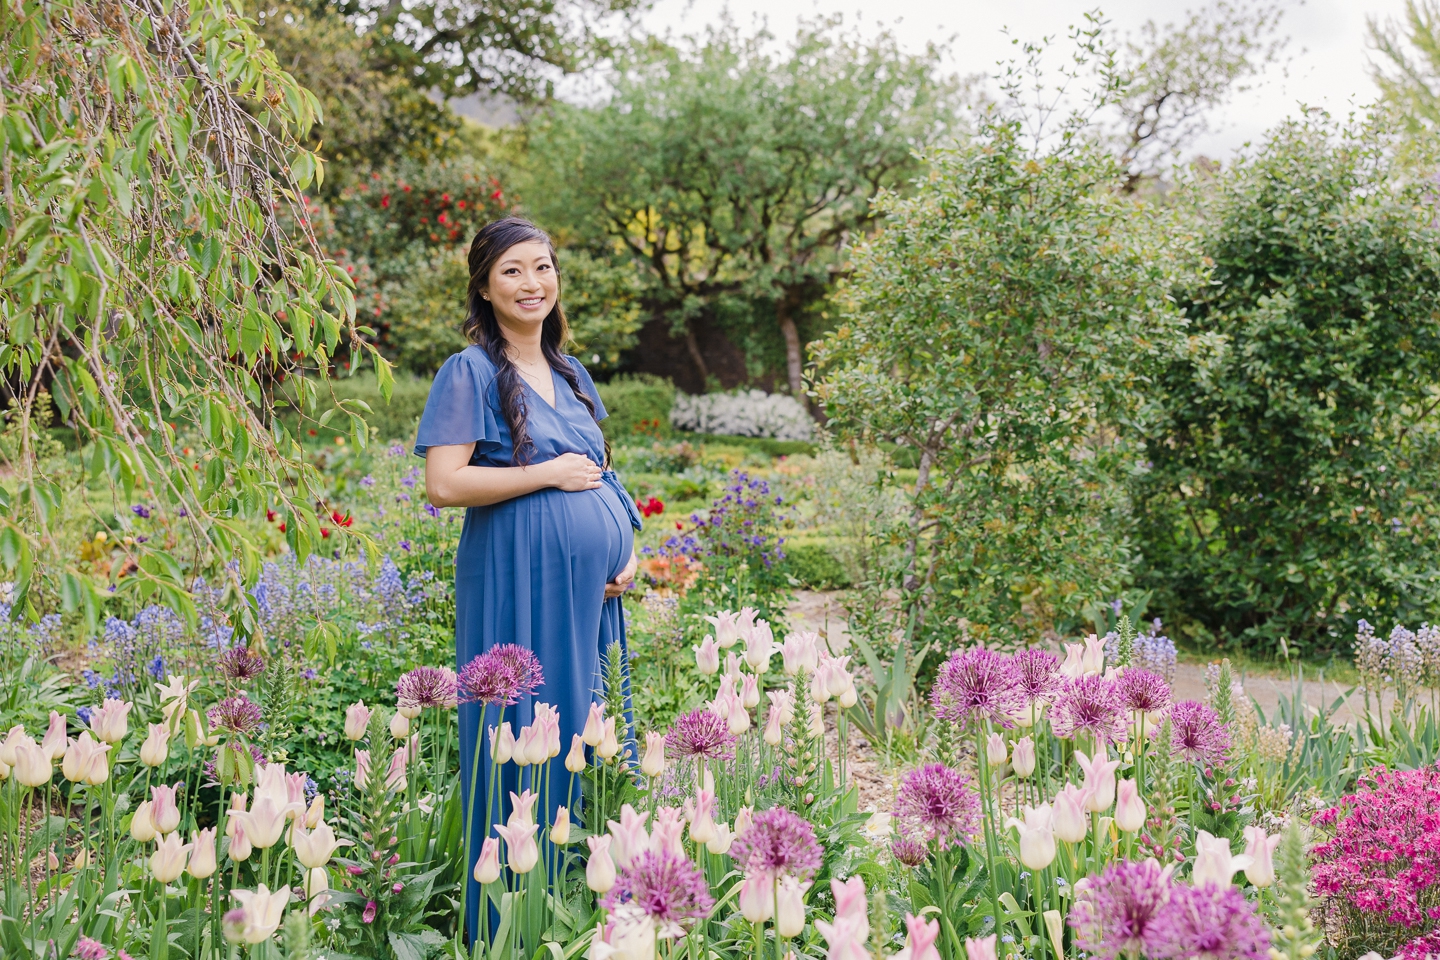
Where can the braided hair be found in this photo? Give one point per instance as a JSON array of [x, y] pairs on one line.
[[483, 329]]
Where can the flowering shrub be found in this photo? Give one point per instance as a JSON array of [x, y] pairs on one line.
[[744, 413], [1378, 873]]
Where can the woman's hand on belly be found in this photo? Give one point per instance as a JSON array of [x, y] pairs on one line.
[[623, 581]]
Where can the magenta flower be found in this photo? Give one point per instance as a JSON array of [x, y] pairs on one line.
[[936, 803], [909, 851], [239, 664], [1089, 705], [1143, 690], [368, 915], [1383, 860], [1208, 922], [977, 685], [1421, 948], [1196, 733], [1117, 915], [235, 714], [428, 687], [87, 949], [701, 733], [668, 888], [501, 675], [1037, 674], [779, 842]]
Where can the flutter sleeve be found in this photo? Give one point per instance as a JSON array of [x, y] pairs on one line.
[[457, 411], [588, 385]]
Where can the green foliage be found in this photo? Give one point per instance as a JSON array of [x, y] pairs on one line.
[[372, 117], [639, 406], [1408, 74], [731, 177], [1000, 326], [815, 566], [157, 275], [1294, 477]]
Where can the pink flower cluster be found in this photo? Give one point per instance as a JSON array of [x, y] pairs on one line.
[[1384, 856]]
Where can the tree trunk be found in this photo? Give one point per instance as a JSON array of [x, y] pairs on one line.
[[693, 346], [794, 355]]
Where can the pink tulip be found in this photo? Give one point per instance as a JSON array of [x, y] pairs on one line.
[[362, 769], [1261, 851], [843, 939], [1093, 660], [168, 860], [750, 692], [801, 652], [264, 823], [1099, 780], [757, 897], [600, 869], [1129, 808], [522, 852], [164, 812], [487, 867], [668, 829], [522, 807], [110, 721], [851, 903], [727, 628], [1074, 666], [920, 939], [631, 838], [1071, 824], [981, 949], [202, 856], [653, 764], [707, 657], [594, 730], [55, 741], [502, 745], [357, 721], [575, 760]]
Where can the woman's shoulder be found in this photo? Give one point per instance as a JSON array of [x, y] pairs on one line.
[[473, 360]]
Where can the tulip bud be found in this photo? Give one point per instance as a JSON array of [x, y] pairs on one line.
[[8, 744], [594, 730], [790, 907], [357, 721], [1023, 757], [707, 657], [1261, 850], [110, 721], [575, 759], [399, 726], [156, 747], [164, 812], [720, 843], [32, 764], [995, 749], [55, 741], [407, 709], [502, 746], [757, 897], [536, 750], [522, 850], [750, 691], [609, 745], [600, 869], [168, 860], [980, 949], [487, 866], [560, 827], [653, 765], [744, 820], [316, 813], [202, 856], [142, 828], [4, 771], [1129, 808], [240, 846], [1071, 822]]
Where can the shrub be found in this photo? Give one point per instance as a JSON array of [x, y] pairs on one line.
[[744, 413], [1294, 485], [639, 406], [815, 566]]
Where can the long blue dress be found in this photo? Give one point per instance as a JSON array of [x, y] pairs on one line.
[[531, 570]]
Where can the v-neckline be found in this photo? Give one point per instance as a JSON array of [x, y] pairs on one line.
[[554, 389]]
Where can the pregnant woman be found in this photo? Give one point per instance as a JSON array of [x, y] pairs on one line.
[[511, 433]]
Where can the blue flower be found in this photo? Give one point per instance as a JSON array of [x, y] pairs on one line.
[[141, 511], [431, 509], [367, 481], [83, 713]]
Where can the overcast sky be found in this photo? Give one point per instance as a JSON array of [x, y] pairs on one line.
[[1327, 66]]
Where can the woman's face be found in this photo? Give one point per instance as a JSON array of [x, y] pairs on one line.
[[523, 286]]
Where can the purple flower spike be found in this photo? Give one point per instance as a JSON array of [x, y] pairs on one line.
[[1196, 733], [779, 842], [909, 851], [1089, 705], [937, 804], [238, 663], [701, 733], [977, 685], [666, 887]]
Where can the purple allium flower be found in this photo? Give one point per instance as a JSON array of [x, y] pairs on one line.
[[428, 687], [937, 803], [701, 733], [1143, 690], [780, 842], [1037, 673], [500, 675], [1196, 733], [236, 714], [1209, 922], [87, 949], [977, 685], [669, 889], [1118, 913], [909, 851], [238, 663], [1089, 705]]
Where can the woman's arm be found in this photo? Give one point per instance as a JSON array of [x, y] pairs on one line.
[[450, 481]]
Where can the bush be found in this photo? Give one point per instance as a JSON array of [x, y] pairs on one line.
[[744, 413], [815, 566], [1294, 485], [639, 407]]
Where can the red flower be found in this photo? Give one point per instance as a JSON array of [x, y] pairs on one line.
[[269, 516], [496, 195], [385, 201], [324, 532], [405, 187], [343, 520], [424, 219], [444, 198], [282, 526], [442, 218], [461, 204], [314, 432]]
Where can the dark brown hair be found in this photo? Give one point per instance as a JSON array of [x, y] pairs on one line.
[[482, 328]]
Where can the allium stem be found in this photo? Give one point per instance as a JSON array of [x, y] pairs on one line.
[[991, 848]]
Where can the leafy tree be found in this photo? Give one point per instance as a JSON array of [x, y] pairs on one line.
[[998, 328], [373, 117], [158, 275], [517, 48], [734, 177], [1294, 484]]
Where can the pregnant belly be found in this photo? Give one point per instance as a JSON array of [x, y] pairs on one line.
[[588, 532]]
